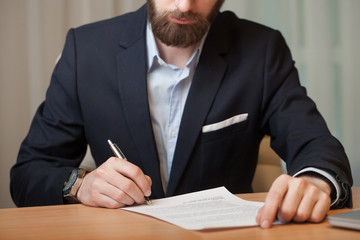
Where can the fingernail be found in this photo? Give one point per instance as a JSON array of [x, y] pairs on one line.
[[265, 224]]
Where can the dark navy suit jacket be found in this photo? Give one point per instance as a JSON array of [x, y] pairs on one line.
[[98, 91]]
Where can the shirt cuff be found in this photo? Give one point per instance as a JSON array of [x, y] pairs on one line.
[[328, 177]]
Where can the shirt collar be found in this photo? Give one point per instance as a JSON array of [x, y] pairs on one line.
[[153, 53]]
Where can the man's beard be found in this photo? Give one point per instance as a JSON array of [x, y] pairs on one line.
[[180, 35]]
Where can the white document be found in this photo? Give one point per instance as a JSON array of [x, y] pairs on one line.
[[214, 208]]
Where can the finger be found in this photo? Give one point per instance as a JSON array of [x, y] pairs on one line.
[[134, 173], [321, 208], [102, 200], [117, 195], [313, 206], [122, 187], [150, 182], [149, 179], [289, 206], [306, 205], [258, 216], [273, 200], [130, 188], [316, 201]]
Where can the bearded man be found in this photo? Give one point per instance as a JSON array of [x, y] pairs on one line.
[[187, 93]]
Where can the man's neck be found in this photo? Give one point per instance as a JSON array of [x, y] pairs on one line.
[[175, 55]]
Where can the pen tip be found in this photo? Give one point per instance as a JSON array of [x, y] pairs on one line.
[[148, 201], [109, 141]]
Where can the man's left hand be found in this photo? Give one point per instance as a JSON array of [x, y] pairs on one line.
[[298, 199]]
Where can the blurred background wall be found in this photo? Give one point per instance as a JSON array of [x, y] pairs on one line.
[[324, 37]]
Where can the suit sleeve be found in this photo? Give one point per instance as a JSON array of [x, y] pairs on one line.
[[55, 143], [299, 133]]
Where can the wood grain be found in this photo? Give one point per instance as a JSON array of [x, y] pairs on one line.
[[82, 222]]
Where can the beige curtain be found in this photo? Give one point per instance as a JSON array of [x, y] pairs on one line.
[[323, 36], [32, 36]]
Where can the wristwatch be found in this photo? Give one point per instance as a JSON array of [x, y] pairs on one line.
[[72, 185]]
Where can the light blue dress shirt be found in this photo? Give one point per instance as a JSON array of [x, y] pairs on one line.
[[168, 87]]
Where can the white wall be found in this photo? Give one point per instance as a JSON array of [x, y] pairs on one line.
[[323, 36]]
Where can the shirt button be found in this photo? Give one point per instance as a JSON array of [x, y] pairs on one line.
[[173, 133]]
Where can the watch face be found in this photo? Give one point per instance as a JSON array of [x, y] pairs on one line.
[[72, 178]]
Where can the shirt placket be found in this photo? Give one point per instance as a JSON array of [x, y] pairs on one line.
[[175, 112]]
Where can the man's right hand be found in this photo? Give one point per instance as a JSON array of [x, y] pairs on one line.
[[116, 183]]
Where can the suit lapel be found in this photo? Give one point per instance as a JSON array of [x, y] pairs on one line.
[[207, 79], [131, 68]]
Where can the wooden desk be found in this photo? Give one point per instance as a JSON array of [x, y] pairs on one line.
[[81, 222]]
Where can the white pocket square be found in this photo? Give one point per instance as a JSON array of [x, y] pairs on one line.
[[225, 123]]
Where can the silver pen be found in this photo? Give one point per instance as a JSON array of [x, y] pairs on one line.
[[118, 153]]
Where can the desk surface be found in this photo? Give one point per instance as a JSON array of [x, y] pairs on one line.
[[81, 222]]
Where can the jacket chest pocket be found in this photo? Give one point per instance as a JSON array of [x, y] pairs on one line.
[[224, 131]]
